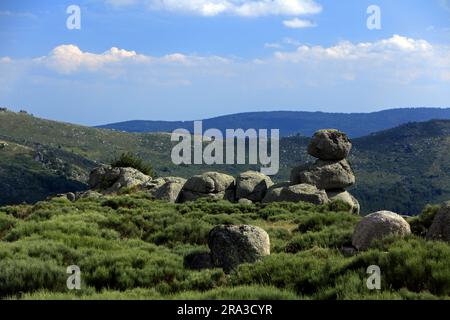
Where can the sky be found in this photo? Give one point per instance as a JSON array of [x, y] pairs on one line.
[[195, 59]]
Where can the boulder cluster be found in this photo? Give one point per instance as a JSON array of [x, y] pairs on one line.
[[328, 177], [317, 183]]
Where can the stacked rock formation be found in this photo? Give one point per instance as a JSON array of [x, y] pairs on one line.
[[331, 172]]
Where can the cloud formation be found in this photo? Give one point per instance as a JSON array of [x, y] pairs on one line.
[[243, 8], [297, 23]]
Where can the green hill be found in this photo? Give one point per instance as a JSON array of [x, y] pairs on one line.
[[400, 169]]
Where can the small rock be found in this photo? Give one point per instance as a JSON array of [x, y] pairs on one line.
[[329, 145], [212, 185], [345, 197], [378, 225], [252, 185], [245, 201], [233, 245], [296, 193]]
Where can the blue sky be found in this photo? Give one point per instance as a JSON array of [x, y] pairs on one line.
[[182, 60]]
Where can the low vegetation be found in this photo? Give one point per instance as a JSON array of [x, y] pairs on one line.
[[131, 247]]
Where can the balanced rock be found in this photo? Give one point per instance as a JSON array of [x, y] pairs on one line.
[[213, 185], [345, 197], [329, 144], [232, 245], [296, 193], [112, 179], [252, 185], [324, 174], [378, 225], [440, 228]]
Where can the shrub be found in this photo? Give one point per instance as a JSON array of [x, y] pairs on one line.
[[130, 160], [421, 223]]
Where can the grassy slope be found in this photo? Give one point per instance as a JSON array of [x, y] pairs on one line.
[[129, 247], [399, 169]]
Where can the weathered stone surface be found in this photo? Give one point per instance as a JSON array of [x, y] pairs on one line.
[[440, 228], [296, 193], [110, 180], [324, 174], [378, 225], [345, 197], [245, 201], [170, 191], [232, 245], [212, 185], [252, 185], [329, 145]]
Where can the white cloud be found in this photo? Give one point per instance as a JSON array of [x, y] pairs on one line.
[[396, 59], [297, 23], [243, 8], [69, 58], [345, 50]]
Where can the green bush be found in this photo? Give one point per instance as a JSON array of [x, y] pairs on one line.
[[421, 223], [130, 160], [132, 247]]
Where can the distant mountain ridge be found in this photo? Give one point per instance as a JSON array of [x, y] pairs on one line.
[[295, 122], [399, 169]]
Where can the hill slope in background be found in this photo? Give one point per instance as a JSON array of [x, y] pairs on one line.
[[293, 122], [399, 169]]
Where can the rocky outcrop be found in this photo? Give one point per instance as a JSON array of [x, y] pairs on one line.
[[440, 228], [345, 197], [331, 171], [329, 145], [296, 193], [212, 185], [232, 245], [324, 174], [167, 188], [378, 225], [112, 179], [252, 185]]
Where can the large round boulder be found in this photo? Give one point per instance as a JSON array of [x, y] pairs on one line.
[[252, 185], [346, 198], [329, 144], [232, 245], [440, 228], [324, 174], [378, 225], [213, 185], [296, 193]]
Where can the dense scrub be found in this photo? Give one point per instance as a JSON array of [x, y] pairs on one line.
[[130, 247]]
